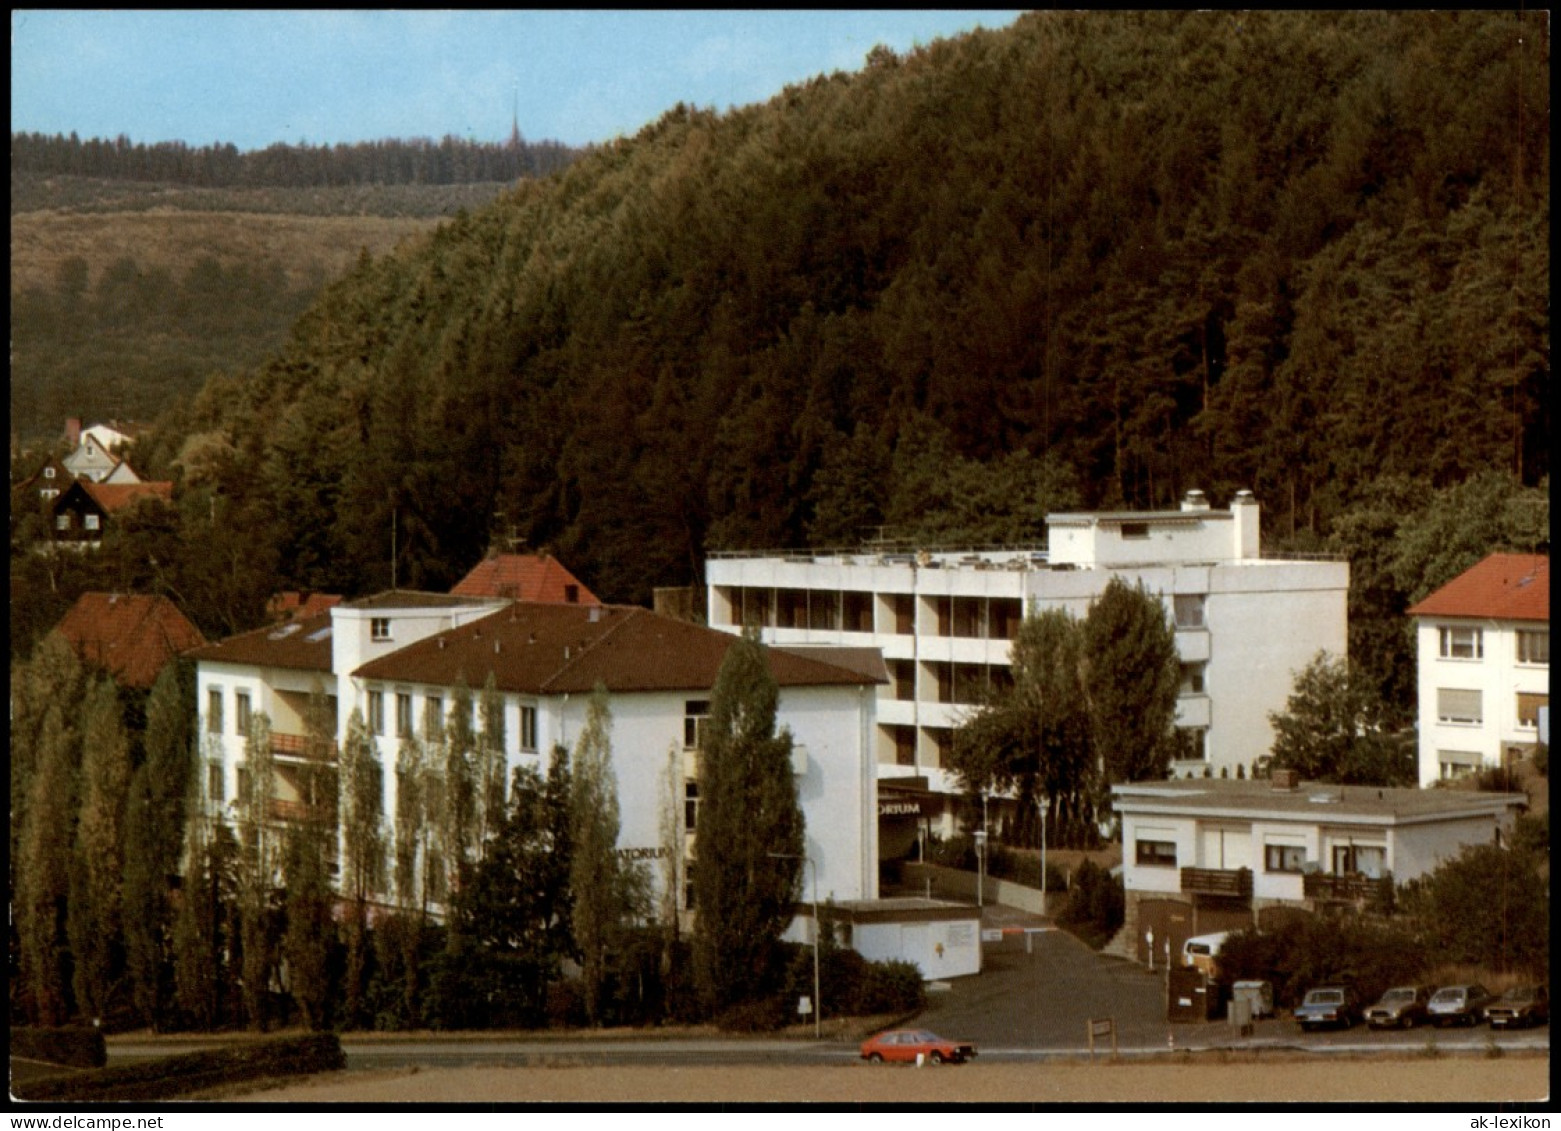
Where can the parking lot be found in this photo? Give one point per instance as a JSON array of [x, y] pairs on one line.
[[1039, 995]]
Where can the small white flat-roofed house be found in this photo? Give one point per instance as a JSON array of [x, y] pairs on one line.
[[399, 658], [1208, 855], [1482, 643]]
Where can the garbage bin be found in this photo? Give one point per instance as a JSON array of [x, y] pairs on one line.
[[1258, 995], [1190, 996], [1239, 1015]]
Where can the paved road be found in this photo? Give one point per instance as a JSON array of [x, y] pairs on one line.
[[1034, 998]]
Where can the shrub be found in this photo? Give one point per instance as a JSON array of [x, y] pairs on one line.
[[760, 1015], [1096, 905], [1313, 950], [171, 1076], [75, 1047]]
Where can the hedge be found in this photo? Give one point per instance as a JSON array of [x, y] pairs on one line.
[[75, 1047], [167, 1077]]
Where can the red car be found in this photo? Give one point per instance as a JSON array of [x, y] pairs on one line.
[[908, 1044]]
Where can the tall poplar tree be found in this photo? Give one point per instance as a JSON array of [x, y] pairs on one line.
[[361, 809], [258, 851], [94, 921], [594, 869], [154, 838], [748, 862], [43, 871]]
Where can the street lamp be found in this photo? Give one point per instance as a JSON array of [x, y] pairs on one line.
[[1042, 803], [818, 1002]]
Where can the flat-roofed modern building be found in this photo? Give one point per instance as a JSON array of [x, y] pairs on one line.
[[944, 620]]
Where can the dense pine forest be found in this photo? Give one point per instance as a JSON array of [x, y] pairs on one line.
[[1090, 260]]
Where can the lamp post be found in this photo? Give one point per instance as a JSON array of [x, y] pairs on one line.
[[981, 856], [1042, 803], [818, 1003]]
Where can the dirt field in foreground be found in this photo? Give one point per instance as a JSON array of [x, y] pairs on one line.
[[1448, 1080]]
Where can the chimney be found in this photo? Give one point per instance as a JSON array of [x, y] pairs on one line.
[[73, 431], [1285, 780], [1196, 500], [1244, 510]]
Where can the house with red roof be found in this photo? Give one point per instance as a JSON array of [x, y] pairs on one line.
[[401, 661], [129, 635], [1483, 648], [85, 508], [539, 578]]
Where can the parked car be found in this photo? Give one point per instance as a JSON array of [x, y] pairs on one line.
[[908, 1044], [1519, 1006], [1459, 1005], [1402, 1007], [1328, 1005], [1203, 952]]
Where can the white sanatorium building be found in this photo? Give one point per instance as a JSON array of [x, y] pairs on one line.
[[1245, 623], [399, 657]]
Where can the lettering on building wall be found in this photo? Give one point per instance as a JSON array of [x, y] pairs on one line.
[[642, 853]]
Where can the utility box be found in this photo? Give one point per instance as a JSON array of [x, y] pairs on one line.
[[1259, 997], [1191, 996]]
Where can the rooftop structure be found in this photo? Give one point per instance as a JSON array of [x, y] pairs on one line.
[[129, 635]]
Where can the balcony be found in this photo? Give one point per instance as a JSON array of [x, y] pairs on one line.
[[298, 746], [1345, 889], [1227, 883]]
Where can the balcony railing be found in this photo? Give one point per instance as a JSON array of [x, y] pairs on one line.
[[1345, 889], [1234, 883], [297, 746]]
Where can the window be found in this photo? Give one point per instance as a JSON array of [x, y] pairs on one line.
[[903, 673], [377, 712], [379, 628], [528, 728], [1454, 705], [433, 717], [572, 594], [214, 783], [1457, 763], [403, 714], [1461, 643], [1192, 678], [1135, 531], [690, 805], [1192, 744], [695, 714], [49, 493], [856, 611], [1155, 853], [1189, 610], [1284, 857], [241, 712], [214, 710], [243, 785], [62, 522], [1364, 859], [904, 606], [1529, 703], [1533, 647], [90, 521], [1006, 615], [48, 473]]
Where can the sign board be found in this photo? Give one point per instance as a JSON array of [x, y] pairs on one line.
[[991, 934], [805, 1005], [900, 805]]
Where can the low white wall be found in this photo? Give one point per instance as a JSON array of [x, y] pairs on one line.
[[947, 882]]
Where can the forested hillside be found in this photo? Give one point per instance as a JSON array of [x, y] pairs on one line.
[[1093, 259]]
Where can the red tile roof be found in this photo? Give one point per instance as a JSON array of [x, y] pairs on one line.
[[525, 577], [116, 496], [130, 635], [301, 644], [553, 649], [1502, 587], [291, 604]]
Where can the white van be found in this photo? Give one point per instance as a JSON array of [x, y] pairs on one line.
[[1203, 951]]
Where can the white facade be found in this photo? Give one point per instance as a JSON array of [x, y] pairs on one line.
[[944, 621], [370, 656]]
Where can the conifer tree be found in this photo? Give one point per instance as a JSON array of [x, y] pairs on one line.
[[1131, 676], [306, 943], [94, 920], [594, 868], [197, 945], [490, 764], [749, 856]]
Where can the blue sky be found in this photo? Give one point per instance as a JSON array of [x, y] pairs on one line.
[[253, 78]]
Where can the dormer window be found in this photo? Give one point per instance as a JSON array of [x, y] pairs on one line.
[[379, 628]]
